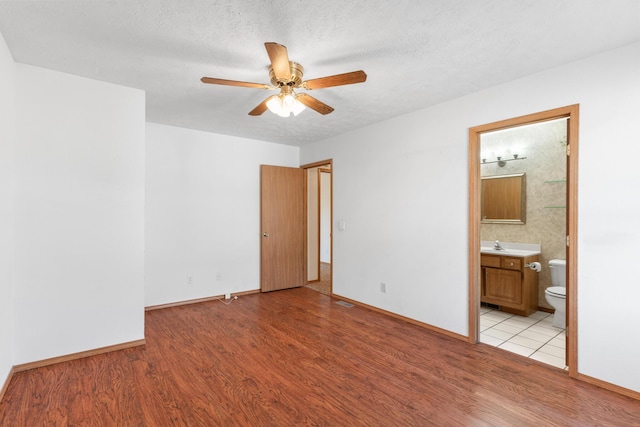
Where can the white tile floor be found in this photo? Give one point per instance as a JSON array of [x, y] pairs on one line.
[[532, 336]]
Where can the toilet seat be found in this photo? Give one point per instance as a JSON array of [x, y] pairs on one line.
[[557, 291]]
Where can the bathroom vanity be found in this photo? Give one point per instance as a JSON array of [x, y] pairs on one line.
[[508, 282]]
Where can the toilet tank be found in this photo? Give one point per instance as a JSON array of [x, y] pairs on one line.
[[558, 272]]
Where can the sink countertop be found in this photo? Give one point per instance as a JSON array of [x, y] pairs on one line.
[[511, 248]]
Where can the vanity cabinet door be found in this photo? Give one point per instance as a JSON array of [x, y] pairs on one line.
[[502, 287]]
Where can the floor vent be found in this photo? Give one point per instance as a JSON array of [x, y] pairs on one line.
[[344, 303]]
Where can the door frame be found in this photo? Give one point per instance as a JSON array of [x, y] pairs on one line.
[[319, 164], [570, 112]]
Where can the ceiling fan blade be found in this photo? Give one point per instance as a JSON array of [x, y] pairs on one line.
[[279, 60], [260, 108], [214, 81], [313, 103], [337, 80]]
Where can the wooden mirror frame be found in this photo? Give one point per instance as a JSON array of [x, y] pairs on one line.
[[508, 204]]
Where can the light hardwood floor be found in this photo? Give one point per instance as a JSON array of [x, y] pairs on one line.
[[295, 357]]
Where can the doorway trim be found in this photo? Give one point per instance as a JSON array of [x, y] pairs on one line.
[[571, 113], [319, 164]]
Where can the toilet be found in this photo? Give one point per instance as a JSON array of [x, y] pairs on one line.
[[556, 294]]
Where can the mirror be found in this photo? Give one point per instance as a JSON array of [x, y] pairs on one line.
[[503, 199]]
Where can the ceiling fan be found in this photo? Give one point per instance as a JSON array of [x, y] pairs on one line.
[[286, 76]]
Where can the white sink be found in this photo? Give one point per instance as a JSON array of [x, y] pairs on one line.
[[512, 252], [510, 248]]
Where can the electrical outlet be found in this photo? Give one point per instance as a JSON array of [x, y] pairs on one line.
[[218, 276], [189, 280], [383, 288], [227, 296]]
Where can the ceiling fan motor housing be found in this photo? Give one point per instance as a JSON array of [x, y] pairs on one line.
[[296, 76]]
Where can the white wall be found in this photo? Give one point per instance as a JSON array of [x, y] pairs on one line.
[[401, 187], [79, 185], [325, 217], [203, 212], [313, 224], [7, 149]]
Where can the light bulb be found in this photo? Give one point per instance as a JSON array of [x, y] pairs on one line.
[[287, 102]]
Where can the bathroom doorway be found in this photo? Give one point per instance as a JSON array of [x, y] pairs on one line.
[[319, 196], [500, 148]]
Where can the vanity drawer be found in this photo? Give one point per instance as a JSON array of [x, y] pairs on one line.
[[489, 261], [510, 263]]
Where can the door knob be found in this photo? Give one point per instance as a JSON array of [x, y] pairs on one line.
[[265, 234]]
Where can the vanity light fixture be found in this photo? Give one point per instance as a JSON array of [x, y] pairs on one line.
[[502, 161]]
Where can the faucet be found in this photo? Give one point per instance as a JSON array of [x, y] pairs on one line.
[[498, 246]]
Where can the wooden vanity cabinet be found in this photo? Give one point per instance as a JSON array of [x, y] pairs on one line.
[[506, 282]]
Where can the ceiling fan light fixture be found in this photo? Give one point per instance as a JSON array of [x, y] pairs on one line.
[[285, 104]]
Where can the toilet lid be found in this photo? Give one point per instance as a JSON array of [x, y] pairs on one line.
[[560, 291]]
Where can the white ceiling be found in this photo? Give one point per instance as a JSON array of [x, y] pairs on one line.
[[416, 53]]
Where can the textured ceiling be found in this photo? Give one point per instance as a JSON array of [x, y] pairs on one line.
[[416, 53]]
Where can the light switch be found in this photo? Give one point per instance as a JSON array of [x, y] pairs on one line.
[[342, 225]]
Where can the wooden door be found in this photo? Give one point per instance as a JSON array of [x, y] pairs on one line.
[[282, 252]]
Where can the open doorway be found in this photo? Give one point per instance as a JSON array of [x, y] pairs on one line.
[[567, 210], [319, 225], [523, 206]]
